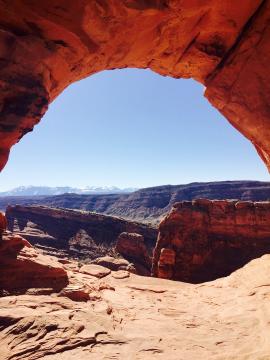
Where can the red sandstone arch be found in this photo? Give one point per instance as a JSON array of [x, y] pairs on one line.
[[45, 45]]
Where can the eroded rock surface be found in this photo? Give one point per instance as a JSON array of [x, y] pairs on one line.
[[203, 239], [46, 45], [95, 270], [133, 317], [115, 264], [77, 233], [22, 267], [132, 247]]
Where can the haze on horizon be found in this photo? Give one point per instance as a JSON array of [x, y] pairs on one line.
[[131, 128]]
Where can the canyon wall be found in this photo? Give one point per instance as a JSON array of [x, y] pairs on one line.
[[198, 240], [202, 240], [82, 235], [149, 204], [47, 45]]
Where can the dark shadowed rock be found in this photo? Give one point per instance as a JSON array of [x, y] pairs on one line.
[[75, 233], [132, 247]]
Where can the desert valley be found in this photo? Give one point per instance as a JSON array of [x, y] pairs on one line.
[[112, 270]]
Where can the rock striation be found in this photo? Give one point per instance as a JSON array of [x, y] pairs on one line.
[[47, 45], [202, 240], [80, 234]]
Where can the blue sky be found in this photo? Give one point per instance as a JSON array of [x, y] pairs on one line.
[[131, 128]]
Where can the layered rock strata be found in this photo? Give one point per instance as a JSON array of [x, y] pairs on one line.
[[47, 45], [202, 240], [82, 234]]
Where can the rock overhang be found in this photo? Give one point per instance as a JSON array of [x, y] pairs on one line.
[[45, 46]]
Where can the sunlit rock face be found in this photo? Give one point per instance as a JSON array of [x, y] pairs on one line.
[[202, 240], [46, 45], [21, 267], [136, 317]]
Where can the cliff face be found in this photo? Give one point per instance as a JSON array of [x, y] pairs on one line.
[[198, 241], [149, 204], [77, 233], [47, 45], [203, 240]]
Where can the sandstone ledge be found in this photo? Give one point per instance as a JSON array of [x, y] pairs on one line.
[[141, 318]]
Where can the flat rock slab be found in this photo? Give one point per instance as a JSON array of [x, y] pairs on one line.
[[121, 274], [95, 270], [112, 263]]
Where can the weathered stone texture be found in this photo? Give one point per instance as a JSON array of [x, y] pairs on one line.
[[46, 45], [203, 239]]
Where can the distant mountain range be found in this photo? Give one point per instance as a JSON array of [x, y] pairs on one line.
[[149, 204], [59, 190]]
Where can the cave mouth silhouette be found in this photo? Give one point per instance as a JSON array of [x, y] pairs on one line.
[[159, 127], [223, 46]]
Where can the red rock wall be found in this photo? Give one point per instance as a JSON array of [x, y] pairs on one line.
[[48, 44], [74, 231], [203, 239]]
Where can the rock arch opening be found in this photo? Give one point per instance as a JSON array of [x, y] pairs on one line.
[[131, 128], [53, 44], [48, 44]]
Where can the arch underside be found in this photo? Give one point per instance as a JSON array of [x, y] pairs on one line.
[[48, 44]]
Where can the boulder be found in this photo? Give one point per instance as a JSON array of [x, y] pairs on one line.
[[75, 293], [95, 270], [22, 267], [112, 263], [132, 247], [121, 274]]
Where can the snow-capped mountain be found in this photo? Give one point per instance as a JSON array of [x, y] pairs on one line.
[[46, 190]]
